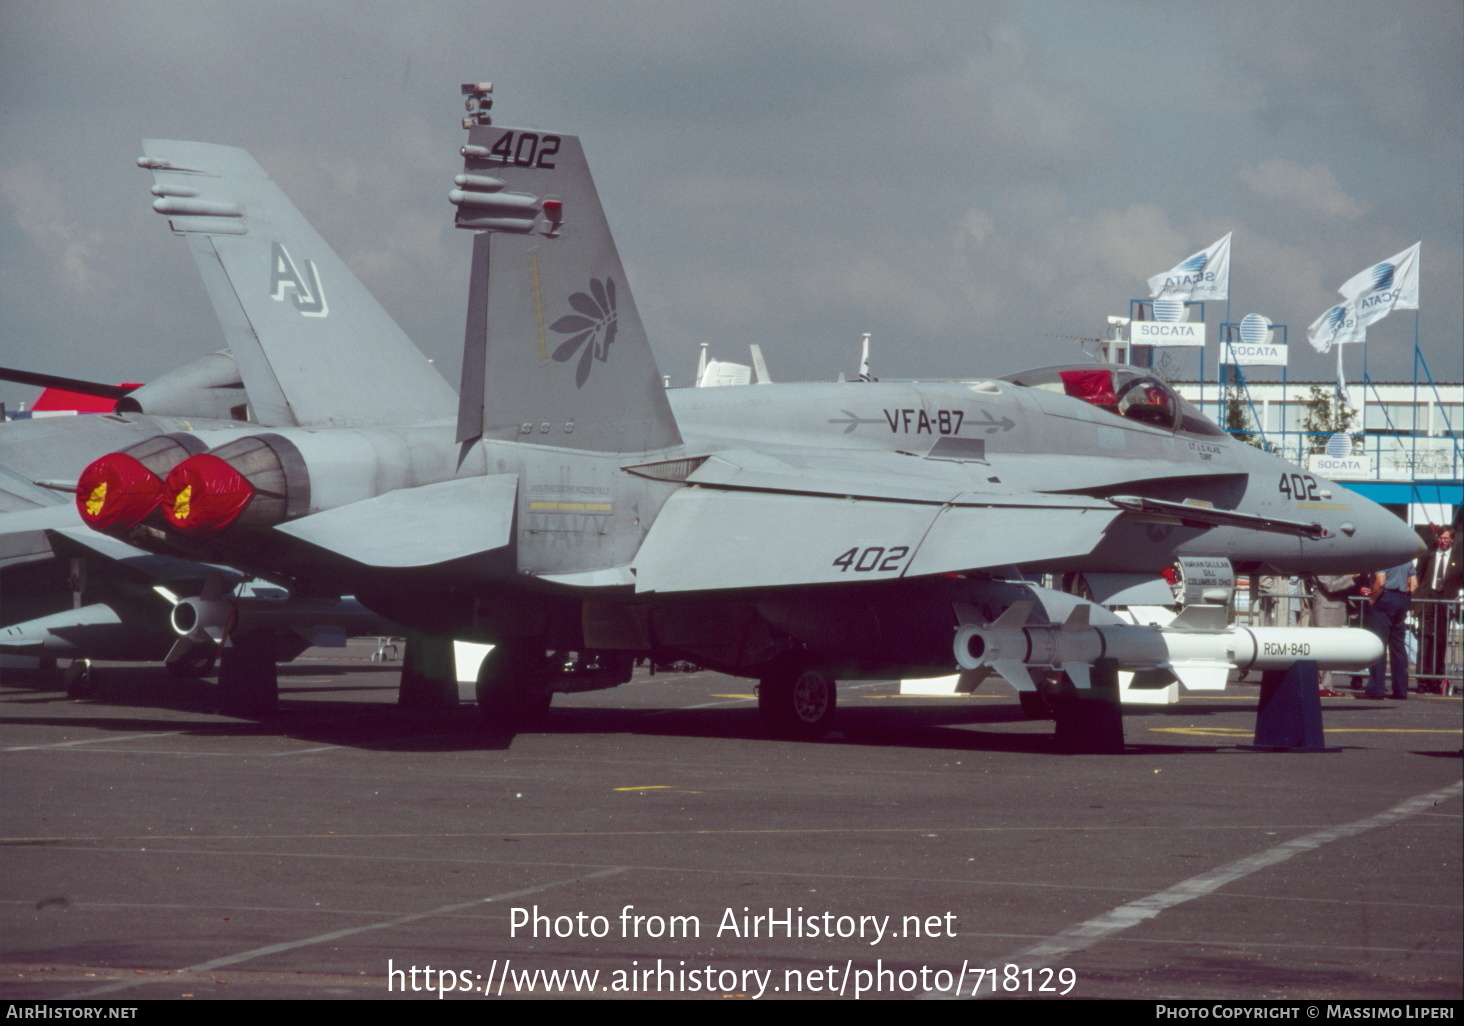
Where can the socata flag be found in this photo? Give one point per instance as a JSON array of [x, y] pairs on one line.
[[1206, 275], [1336, 327], [1385, 287]]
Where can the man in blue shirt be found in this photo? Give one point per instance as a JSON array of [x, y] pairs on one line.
[[1386, 617]]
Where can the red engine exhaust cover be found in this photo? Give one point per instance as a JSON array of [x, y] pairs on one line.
[[204, 495], [117, 491]]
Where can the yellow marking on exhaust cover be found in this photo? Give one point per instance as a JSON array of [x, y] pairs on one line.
[[180, 503], [96, 499]]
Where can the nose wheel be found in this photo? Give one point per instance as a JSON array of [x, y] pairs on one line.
[[797, 702]]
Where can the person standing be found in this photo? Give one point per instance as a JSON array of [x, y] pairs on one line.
[[1329, 609], [1387, 616], [1439, 578]]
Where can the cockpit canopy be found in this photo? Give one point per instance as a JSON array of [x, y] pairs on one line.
[[1124, 391]]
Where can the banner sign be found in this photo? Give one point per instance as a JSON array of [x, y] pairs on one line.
[[1340, 467], [1167, 333], [1260, 354]]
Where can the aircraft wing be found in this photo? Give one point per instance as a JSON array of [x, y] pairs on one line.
[[756, 520], [706, 538]]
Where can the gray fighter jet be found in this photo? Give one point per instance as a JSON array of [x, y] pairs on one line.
[[571, 510], [67, 592]]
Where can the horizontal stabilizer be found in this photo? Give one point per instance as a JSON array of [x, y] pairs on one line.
[[413, 527]]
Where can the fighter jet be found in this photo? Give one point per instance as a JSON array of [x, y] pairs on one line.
[[67, 592], [574, 510]]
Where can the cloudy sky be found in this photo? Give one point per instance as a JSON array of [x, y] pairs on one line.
[[962, 179]]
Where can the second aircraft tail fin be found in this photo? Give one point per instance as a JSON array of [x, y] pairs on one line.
[[313, 346]]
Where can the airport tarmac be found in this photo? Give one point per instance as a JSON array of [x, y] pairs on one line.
[[653, 841]]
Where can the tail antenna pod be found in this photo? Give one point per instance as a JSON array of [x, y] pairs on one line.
[[478, 101]]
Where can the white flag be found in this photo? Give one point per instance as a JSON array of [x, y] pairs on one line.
[[1206, 275], [1384, 287], [864, 374], [1336, 327]]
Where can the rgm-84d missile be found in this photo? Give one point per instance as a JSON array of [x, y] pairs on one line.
[[1198, 648]]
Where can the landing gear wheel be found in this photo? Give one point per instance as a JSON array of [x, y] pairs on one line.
[[78, 679], [192, 666], [797, 702], [513, 686]]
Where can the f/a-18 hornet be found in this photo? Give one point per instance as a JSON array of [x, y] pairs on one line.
[[566, 502]]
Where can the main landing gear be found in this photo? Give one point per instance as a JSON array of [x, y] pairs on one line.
[[796, 701]]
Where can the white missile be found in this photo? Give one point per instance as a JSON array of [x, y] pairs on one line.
[[1198, 649]]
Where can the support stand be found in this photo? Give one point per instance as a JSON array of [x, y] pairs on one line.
[[1290, 715], [1090, 720], [248, 682], [429, 675]]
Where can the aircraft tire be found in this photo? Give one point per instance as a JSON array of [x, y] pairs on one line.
[[79, 680], [192, 667], [797, 702], [513, 687]]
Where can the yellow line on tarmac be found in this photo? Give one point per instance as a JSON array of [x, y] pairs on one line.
[[1241, 731]]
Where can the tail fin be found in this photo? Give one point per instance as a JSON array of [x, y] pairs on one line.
[[555, 353], [314, 347]]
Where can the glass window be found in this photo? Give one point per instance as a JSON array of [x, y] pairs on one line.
[[1124, 391]]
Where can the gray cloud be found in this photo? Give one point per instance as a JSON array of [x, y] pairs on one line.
[[960, 179]]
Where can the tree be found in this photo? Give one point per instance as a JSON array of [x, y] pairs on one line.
[[1238, 423], [1326, 414]]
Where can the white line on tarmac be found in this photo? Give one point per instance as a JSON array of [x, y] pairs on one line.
[[273, 949], [94, 741], [1085, 935]]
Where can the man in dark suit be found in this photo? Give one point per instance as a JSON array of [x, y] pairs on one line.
[[1439, 576]]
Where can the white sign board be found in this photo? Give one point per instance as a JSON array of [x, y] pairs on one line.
[[1167, 333], [1247, 354], [1344, 467]]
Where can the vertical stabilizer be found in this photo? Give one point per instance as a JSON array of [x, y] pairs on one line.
[[553, 335], [314, 348]]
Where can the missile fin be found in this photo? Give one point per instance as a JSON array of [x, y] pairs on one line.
[[1016, 615], [1079, 673], [1200, 617], [1015, 673], [1201, 676], [970, 680], [966, 613], [1077, 621]]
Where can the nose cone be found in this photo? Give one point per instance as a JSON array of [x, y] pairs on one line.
[[1381, 539]]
